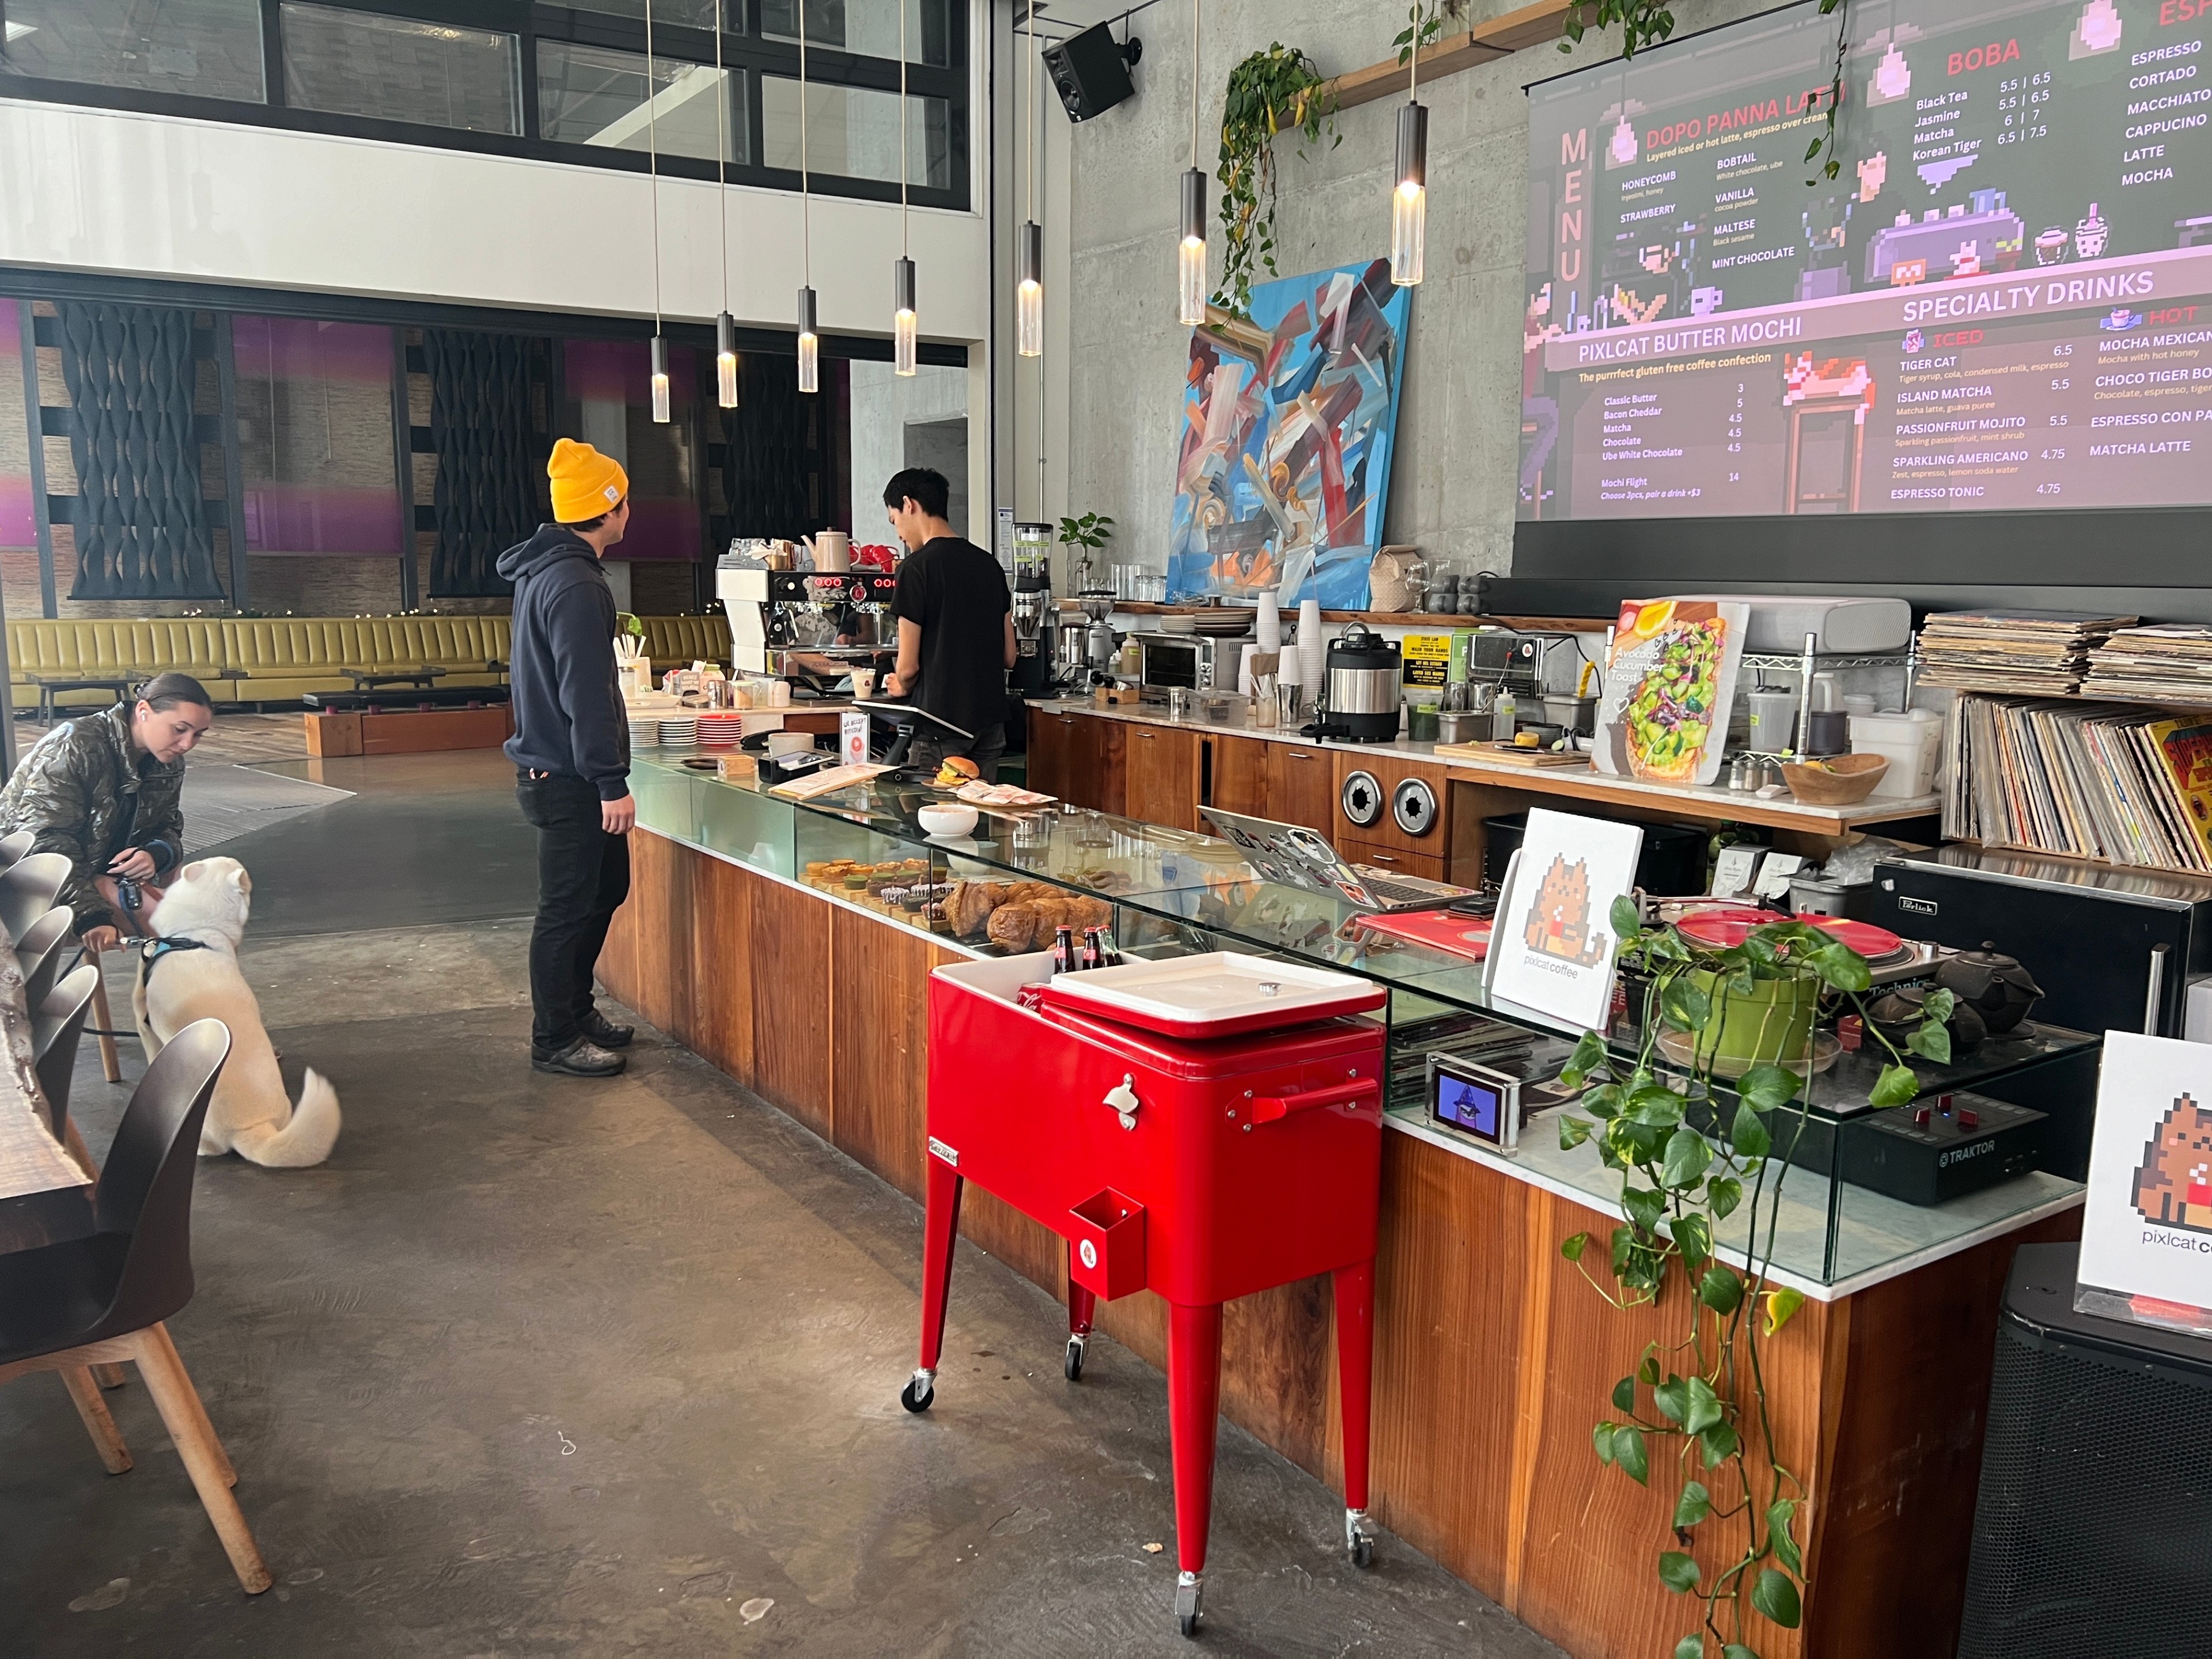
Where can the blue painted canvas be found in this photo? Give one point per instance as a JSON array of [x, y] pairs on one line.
[[1284, 465]]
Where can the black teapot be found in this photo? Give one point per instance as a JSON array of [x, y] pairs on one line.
[[1994, 985], [1897, 1016]]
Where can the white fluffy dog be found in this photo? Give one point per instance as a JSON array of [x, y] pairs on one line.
[[207, 905]]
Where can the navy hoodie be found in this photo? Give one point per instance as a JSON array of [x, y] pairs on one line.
[[568, 703]]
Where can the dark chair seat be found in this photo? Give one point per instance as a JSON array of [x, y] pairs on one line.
[[58, 1296]]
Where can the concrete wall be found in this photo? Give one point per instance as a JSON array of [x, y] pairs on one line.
[[1452, 483]]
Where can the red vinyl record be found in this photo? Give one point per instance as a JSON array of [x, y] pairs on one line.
[[1724, 926]]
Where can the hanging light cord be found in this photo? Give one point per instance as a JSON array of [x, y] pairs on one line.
[[903, 121], [722, 156], [805, 197], [1413, 58], [1193, 79], [653, 161], [1030, 113]]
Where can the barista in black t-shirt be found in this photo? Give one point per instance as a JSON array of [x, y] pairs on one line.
[[955, 624]]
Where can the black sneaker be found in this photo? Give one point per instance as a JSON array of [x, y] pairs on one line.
[[582, 1058], [603, 1031]]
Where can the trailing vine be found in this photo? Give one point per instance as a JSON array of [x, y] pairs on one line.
[[1665, 1131], [1271, 92]]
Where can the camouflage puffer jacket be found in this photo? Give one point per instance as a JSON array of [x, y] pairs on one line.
[[87, 794]]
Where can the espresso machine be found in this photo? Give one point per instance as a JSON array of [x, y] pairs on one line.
[[1033, 609], [811, 628]]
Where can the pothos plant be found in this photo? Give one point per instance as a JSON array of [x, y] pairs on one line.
[[1647, 23], [1690, 1158], [1271, 92]]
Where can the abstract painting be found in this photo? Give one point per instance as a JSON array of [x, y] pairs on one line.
[[1289, 419]]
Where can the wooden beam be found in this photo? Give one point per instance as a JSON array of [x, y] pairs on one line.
[[1488, 41]]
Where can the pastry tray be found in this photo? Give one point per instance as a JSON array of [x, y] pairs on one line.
[[1217, 994]]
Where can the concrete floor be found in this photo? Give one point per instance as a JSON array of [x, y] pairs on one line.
[[536, 1366]]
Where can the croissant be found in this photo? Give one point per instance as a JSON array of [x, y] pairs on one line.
[[1014, 927]]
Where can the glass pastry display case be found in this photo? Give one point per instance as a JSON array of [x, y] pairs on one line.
[[1871, 1193]]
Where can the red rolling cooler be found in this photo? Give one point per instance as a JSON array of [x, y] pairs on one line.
[[1203, 1127]]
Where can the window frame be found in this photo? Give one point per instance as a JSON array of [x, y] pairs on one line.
[[748, 54]]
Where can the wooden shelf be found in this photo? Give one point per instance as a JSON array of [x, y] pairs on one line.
[[1486, 42], [1393, 618]]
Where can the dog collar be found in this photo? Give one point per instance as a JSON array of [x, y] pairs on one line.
[[162, 947]]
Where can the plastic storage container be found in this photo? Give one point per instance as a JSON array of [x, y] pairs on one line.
[[1912, 742]]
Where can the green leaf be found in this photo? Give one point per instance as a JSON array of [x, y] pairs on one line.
[[1780, 1305], [1656, 1105], [1646, 1209], [1672, 1398], [1685, 1004], [1687, 1159], [1768, 1087], [1623, 1395], [1604, 1101], [1749, 1135], [1628, 1451], [1896, 1086], [1842, 967], [1721, 1290], [1693, 1236], [1719, 1443], [1573, 1131], [1648, 1371], [1692, 1506], [1779, 1514], [1931, 1040], [1723, 1193], [1677, 1572], [1572, 1246], [1601, 1439], [1691, 1646], [1589, 1056], [1737, 1650], [1775, 1594], [1939, 1005], [1627, 921], [1701, 1406]]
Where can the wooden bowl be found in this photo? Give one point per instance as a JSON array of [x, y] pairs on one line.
[[1839, 780]]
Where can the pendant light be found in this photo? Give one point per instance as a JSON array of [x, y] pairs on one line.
[[725, 326], [809, 343], [1190, 258], [1028, 244], [1409, 198], [904, 324], [652, 172]]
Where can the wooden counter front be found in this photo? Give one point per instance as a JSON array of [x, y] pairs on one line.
[[1493, 1357]]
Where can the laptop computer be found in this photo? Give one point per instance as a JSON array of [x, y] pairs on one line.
[[1295, 856]]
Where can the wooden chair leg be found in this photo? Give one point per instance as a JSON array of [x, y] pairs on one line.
[[161, 1333], [186, 1419], [109, 1376], [106, 1439], [73, 1143], [110, 1061]]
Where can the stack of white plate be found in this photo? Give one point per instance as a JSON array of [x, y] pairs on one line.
[[644, 734], [682, 733]]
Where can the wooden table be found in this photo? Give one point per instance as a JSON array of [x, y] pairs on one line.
[[45, 1197], [50, 684], [373, 679]]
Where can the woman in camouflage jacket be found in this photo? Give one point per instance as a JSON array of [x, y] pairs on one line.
[[105, 791]]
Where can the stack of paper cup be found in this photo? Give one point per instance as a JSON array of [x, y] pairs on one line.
[[1244, 669], [1309, 645], [1271, 623]]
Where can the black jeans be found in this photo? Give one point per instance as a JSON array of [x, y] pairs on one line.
[[583, 877]]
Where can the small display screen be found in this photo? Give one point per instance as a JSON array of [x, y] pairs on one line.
[[1474, 1107]]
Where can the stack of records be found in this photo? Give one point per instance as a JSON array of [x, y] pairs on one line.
[[719, 730], [644, 731], [2086, 780], [679, 733], [2168, 663], [2036, 652]]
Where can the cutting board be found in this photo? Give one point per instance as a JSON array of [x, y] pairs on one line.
[[1504, 754]]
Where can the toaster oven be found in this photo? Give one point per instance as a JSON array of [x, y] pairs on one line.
[[1195, 662]]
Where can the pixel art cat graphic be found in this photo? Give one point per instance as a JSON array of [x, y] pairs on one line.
[[2174, 1185], [1559, 922]]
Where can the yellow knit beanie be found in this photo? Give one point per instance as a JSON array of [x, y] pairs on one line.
[[586, 484]]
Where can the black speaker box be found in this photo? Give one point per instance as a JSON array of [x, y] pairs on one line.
[[1091, 70], [2093, 1528]]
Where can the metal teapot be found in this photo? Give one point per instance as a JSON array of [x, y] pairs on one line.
[[1991, 983]]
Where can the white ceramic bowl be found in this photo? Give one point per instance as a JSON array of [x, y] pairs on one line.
[[947, 820]]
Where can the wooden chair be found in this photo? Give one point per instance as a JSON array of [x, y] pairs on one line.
[[98, 1300], [43, 951]]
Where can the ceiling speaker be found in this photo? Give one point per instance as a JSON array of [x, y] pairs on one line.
[[1091, 70]]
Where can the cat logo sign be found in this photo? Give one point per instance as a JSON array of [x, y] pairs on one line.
[[2173, 1185]]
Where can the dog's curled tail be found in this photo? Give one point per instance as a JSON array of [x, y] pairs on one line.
[[306, 1140]]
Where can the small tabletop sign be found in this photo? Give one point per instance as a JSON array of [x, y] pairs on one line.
[[853, 738], [2147, 1220], [1554, 944]]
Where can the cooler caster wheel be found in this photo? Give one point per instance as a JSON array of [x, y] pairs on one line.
[[1185, 1603], [1358, 1542], [919, 1391], [1070, 1363]]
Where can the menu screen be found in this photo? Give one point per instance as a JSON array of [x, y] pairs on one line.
[[2003, 300]]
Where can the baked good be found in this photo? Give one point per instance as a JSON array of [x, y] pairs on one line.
[[1014, 927]]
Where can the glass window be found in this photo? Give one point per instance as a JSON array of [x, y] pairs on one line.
[[209, 48], [690, 14], [591, 96], [852, 132], [18, 529], [870, 28], [394, 69], [314, 436]]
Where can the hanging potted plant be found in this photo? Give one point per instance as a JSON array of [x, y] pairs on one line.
[[1698, 1141], [1271, 92]]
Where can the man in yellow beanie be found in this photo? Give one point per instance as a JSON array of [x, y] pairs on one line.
[[571, 752]]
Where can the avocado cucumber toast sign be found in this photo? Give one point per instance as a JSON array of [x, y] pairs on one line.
[[1669, 683]]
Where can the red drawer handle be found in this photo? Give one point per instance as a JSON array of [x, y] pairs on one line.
[[1353, 1092]]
